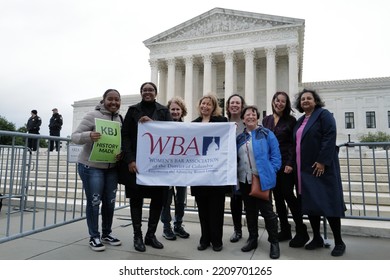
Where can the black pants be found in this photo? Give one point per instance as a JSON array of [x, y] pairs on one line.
[[56, 143], [236, 208], [284, 192], [211, 215], [155, 207], [33, 143], [252, 207]]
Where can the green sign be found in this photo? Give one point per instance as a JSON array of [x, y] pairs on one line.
[[109, 144]]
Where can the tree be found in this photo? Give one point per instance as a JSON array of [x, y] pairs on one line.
[[379, 136], [8, 126]]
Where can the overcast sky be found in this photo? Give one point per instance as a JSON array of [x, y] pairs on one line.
[[56, 52]]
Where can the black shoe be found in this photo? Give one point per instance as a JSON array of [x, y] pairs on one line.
[[250, 245], [338, 250], [139, 244], [179, 231], [237, 235], [217, 248], [315, 243], [202, 247], [168, 234], [274, 252], [96, 244], [299, 240], [112, 240], [152, 241], [284, 235]]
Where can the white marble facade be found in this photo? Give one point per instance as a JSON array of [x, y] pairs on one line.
[[229, 51]]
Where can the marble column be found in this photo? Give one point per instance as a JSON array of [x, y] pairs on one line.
[[207, 73], [271, 76], [292, 69], [229, 73], [162, 86], [189, 84], [154, 71], [249, 55], [171, 78]]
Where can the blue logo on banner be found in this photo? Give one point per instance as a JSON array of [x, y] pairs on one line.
[[210, 145]]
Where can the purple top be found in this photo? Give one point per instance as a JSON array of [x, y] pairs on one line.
[[298, 151]]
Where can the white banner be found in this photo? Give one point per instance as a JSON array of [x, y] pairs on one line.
[[186, 154]]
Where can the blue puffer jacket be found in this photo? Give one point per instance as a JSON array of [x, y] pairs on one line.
[[266, 153]]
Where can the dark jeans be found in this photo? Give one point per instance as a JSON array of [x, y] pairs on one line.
[[180, 202]]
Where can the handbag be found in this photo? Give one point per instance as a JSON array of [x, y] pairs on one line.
[[256, 190]]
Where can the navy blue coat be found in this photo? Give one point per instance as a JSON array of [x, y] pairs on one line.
[[320, 195]]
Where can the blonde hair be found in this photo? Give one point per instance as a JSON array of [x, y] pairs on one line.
[[217, 111], [180, 102]]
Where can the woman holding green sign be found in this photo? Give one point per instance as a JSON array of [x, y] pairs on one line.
[[99, 178]]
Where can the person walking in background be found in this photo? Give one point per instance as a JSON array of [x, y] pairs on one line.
[[318, 169], [178, 110], [210, 199], [55, 126], [258, 153], [234, 107], [146, 110], [33, 127], [100, 179], [282, 123]]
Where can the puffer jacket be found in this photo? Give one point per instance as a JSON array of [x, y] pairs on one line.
[[82, 134], [266, 153]]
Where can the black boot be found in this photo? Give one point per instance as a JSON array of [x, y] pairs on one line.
[[301, 237], [271, 225], [285, 232], [274, 252], [136, 217], [250, 245], [150, 237]]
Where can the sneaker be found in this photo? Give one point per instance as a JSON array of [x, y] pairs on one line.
[[168, 234], [109, 239], [96, 244], [179, 231]]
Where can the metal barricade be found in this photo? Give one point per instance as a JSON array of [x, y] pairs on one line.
[[15, 164]]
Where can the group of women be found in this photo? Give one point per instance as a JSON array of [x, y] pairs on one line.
[[282, 152]]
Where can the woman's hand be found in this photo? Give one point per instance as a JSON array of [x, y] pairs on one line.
[[319, 169], [288, 169], [145, 119], [133, 167], [95, 136], [119, 156]]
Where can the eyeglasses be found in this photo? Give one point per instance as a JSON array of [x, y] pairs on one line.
[[148, 90]]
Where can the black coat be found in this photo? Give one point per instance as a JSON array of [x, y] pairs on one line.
[[129, 143], [320, 195], [55, 123], [34, 124], [211, 190]]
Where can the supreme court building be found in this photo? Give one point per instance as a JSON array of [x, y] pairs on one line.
[[255, 55]]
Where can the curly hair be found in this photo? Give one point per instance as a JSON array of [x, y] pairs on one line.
[[317, 99]]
